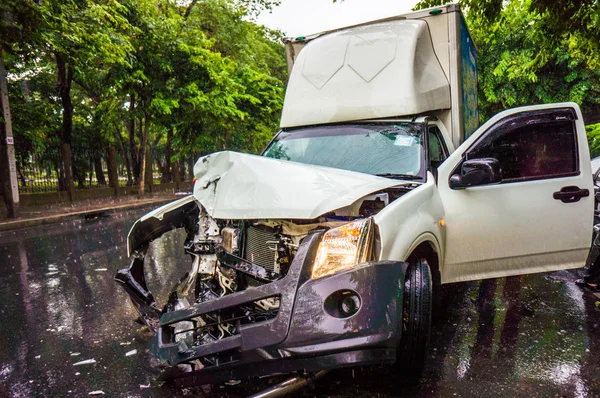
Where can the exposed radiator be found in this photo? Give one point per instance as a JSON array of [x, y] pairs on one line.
[[256, 249]]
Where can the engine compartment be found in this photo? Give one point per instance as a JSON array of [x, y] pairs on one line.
[[230, 256]]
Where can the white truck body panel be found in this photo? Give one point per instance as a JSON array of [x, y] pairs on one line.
[[356, 73], [382, 70]]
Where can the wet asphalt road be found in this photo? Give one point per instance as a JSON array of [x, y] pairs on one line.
[[530, 336]]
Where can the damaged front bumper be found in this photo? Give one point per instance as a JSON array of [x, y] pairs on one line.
[[311, 330]]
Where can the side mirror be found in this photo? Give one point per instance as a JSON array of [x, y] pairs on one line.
[[476, 172]]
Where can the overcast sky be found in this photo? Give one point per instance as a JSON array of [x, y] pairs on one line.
[[303, 17]]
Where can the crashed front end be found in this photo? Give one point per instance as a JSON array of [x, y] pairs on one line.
[[269, 296]]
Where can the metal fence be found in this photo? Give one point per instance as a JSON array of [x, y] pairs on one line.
[[38, 176]]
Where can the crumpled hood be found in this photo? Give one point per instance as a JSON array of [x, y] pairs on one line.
[[232, 185]]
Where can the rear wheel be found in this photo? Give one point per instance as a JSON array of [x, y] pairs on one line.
[[416, 318]]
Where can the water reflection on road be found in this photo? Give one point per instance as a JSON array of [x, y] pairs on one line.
[[59, 305], [535, 335]]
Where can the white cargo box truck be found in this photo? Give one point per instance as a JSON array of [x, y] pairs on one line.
[[329, 249], [421, 63]]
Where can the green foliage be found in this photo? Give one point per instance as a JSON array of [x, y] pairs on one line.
[[200, 74], [593, 136], [574, 21], [510, 73], [19, 20], [525, 56]]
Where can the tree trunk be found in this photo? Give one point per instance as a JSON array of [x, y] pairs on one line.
[[143, 140], [98, 170], [176, 174], [134, 166], [191, 167], [61, 178], [113, 173], [149, 177], [181, 170], [137, 165], [78, 175], [167, 175], [91, 172], [21, 177], [65, 78], [127, 158], [188, 10]]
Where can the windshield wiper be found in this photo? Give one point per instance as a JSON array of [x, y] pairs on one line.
[[399, 176]]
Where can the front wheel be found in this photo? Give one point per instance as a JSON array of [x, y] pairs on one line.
[[416, 318]]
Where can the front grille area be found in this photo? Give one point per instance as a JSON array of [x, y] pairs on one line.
[[196, 332], [256, 249]]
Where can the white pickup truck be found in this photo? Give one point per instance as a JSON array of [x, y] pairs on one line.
[[326, 251]]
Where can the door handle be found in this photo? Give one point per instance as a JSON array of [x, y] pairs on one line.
[[571, 194]]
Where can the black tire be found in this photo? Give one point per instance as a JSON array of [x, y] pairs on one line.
[[416, 319]]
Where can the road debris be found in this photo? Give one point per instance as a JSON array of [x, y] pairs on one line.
[[97, 392], [74, 354], [86, 362], [101, 269], [130, 353]]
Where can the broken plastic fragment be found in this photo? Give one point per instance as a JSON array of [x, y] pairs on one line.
[[125, 343], [130, 353], [86, 362], [97, 392], [142, 386], [74, 354], [101, 269]]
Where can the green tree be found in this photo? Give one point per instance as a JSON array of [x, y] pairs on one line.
[[158, 80], [515, 65], [203, 79], [574, 21], [75, 33]]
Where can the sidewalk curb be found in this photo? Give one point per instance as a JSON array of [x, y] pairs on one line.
[[6, 226]]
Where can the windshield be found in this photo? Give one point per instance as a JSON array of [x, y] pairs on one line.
[[389, 150]]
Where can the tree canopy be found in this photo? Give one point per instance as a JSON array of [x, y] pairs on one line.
[[156, 81], [153, 84], [536, 51]]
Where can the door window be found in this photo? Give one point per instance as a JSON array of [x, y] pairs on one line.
[[528, 148], [437, 151]]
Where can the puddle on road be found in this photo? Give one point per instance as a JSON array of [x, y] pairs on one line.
[[57, 309]]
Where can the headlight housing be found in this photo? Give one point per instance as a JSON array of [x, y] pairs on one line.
[[343, 248]]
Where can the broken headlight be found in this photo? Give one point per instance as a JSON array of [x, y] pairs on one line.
[[343, 247]]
